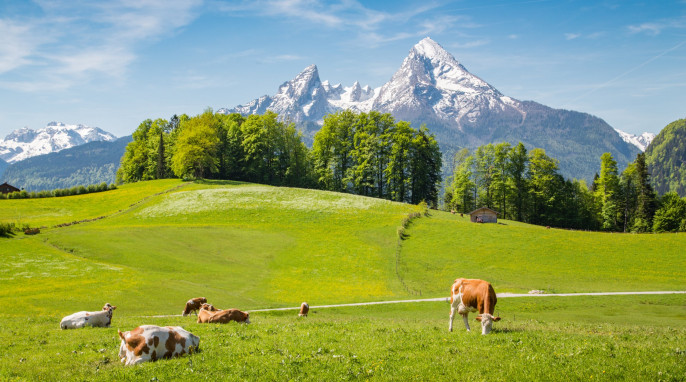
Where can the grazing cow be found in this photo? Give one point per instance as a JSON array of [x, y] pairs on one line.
[[193, 305], [151, 342], [304, 308], [77, 320], [470, 295], [222, 316]]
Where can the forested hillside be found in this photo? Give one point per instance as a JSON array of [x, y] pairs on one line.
[[366, 154], [666, 158], [91, 163], [3, 166]]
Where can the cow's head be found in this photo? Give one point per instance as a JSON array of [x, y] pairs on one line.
[[203, 300], [486, 322], [247, 318], [209, 307], [109, 306]]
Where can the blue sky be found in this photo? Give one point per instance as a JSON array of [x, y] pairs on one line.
[[115, 63]]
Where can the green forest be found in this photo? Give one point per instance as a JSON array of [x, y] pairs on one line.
[[527, 186], [666, 158], [372, 154], [367, 154]]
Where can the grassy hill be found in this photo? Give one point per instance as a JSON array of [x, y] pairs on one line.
[[251, 247]]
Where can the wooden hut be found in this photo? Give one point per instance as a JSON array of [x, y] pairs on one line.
[[6, 188], [483, 215]]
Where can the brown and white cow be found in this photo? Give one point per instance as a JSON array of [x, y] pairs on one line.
[[472, 295], [209, 307], [151, 342], [222, 316], [102, 318], [304, 308], [193, 305]]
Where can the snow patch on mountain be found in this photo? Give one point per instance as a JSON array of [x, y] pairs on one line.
[[641, 141], [26, 142]]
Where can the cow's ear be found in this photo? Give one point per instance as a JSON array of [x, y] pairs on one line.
[[496, 319], [114, 307], [121, 335], [478, 318]]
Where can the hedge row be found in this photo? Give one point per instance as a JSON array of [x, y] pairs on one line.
[[76, 190]]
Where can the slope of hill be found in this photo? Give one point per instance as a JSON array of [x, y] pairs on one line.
[[90, 163], [433, 88], [666, 159], [3, 166], [260, 246]]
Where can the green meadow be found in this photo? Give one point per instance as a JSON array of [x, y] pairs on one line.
[[254, 247]]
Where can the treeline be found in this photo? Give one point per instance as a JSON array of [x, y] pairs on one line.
[[526, 186], [371, 154], [366, 154], [76, 190]]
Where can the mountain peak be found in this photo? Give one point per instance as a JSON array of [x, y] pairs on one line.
[[432, 50]]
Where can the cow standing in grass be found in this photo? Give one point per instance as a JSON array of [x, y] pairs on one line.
[[304, 308], [193, 305], [102, 318], [472, 295]]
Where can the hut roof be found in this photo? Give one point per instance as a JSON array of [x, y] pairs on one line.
[[484, 209]]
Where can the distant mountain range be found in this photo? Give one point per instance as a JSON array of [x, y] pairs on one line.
[[26, 143], [431, 87], [89, 163], [641, 141]]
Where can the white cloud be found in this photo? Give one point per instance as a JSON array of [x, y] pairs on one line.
[[471, 44], [281, 58], [572, 36], [367, 24], [649, 28], [655, 28], [85, 37]]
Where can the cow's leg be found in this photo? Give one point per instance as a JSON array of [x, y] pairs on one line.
[[452, 316], [464, 312], [466, 321]]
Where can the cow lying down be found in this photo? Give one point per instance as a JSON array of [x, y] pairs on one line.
[[210, 315], [151, 342], [102, 318]]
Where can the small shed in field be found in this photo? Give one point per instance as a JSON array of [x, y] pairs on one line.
[[483, 215], [6, 188]]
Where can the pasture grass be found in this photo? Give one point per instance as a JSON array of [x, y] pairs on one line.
[[517, 257], [250, 247], [47, 212], [554, 338]]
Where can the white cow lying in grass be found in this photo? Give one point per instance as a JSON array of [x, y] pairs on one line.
[[150, 343], [77, 320]]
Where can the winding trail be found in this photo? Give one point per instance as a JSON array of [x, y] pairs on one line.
[[500, 295]]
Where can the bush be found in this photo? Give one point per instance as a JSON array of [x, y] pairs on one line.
[[6, 229]]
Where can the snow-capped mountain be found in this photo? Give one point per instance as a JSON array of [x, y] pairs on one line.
[[307, 98], [26, 143], [431, 87], [641, 141]]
